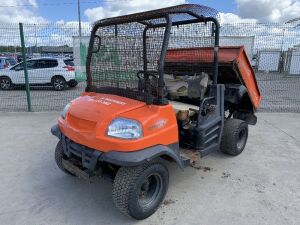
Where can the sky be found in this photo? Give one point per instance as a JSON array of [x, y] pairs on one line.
[[65, 11]]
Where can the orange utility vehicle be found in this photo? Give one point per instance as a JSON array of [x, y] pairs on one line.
[[125, 126]]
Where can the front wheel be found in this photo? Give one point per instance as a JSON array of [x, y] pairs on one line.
[[5, 83], [59, 156], [138, 191], [235, 136]]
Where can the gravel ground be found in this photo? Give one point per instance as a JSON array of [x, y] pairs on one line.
[[261, 186]]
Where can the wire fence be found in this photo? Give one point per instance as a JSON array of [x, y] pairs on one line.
[[56, 58]]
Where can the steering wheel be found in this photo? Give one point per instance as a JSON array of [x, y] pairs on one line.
[[149, 73]]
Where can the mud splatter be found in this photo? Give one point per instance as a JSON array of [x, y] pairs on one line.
[[169, 202], [225, 175], [203, 168]]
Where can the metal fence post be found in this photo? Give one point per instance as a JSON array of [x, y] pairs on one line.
[[25, 67]]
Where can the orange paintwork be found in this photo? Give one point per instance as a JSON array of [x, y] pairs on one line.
[[90, 115], [233, 56]]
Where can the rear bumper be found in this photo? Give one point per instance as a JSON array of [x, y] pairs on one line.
[[92, 157]]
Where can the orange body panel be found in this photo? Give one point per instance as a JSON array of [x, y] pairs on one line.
[[232, 56], [89, 116]]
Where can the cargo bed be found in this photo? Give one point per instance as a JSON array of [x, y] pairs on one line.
[[234, 66]]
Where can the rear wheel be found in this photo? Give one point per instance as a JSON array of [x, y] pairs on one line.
[[59, 156], [235, 136], [58, 83], [5, 83], [138, 191]]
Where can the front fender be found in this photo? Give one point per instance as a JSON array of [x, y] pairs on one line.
[[139, 157], [56, 131]]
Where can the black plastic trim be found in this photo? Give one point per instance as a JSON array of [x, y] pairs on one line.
[[139, 157], [56, 131]]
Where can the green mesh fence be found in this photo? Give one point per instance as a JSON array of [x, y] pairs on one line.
[[55, 51]]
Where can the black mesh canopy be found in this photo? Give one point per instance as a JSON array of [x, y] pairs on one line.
[[179, 14], [126, 54]]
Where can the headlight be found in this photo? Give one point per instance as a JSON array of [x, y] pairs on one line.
[[65, 111], [125, 129]]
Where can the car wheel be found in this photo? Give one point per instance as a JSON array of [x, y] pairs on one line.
[[73, 83], [58, 83], [5, 83], [138, 191], [59, 156], [235, 136]]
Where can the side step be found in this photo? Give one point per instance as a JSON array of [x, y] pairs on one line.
[[189, 157]]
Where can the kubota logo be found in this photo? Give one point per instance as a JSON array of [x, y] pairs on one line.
[[159, 124], [109, 101]]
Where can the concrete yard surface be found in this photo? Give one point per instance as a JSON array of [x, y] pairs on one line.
[[261, 186]]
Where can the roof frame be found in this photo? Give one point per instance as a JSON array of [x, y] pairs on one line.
[[197, 13]]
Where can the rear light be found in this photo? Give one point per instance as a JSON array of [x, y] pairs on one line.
[[6, 65], [69, 68]]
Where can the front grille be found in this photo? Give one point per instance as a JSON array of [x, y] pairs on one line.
[[89, 157]]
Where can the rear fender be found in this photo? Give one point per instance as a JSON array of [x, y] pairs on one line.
[[238, 101], [234, 93], [248, 117], [245, 110]]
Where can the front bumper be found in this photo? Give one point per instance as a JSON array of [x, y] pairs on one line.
[[91, 158]]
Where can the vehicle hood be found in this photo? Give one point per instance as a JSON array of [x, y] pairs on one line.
[[99, 109]]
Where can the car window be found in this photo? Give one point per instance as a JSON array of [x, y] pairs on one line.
[[46, 63], [52, 63], [31, 64], [69, 62], [11, 61], [18, 67]]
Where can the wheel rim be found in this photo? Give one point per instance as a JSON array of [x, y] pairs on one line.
[[5, 84], [58, 84], [150, 190], [242, 137]]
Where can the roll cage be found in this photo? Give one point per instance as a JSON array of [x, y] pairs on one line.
[[165, 18]]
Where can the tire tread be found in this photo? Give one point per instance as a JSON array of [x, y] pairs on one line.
[[59, 155], [228, 142], [124, 185]]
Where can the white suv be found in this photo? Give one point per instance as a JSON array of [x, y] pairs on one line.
[[42, 71]]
